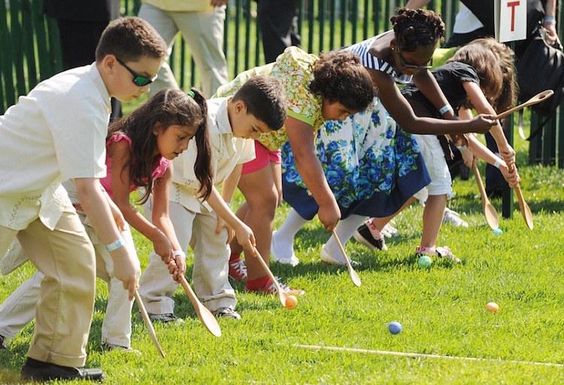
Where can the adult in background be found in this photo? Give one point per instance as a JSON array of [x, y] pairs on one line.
[[278, 21], [201, 24], [80, 26]]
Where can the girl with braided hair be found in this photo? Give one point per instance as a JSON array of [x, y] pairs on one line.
[[372, 165], [479, 76]]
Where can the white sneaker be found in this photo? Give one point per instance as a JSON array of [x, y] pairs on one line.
[[331, 260], [389, 231], [282, 256], [453, 218]]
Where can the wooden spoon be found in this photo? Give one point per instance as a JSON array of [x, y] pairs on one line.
[[489, 211], [538, 98], [352, 273], [203, 313], [148, 323]]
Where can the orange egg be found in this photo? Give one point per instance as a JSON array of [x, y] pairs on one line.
[[492, 307], [291, 302]]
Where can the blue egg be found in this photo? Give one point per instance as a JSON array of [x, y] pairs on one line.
[[395, 327], [497, 231]]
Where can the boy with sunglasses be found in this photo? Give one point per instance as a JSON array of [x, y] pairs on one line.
[[56, 133]]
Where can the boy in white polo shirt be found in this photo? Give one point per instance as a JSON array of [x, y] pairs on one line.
[[258, 107], [56, 133]]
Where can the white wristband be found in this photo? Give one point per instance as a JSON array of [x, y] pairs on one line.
[[497, 163], [446, 108], [114, 245], [179, 253]]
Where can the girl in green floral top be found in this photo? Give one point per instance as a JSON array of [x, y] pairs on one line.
[[329, 87]]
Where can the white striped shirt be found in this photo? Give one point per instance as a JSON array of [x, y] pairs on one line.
[[374, 63]]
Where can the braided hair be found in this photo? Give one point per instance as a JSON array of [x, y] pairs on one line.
[[416, 28]]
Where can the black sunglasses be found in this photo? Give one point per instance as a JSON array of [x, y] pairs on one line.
[[138, 80], [406, 65]]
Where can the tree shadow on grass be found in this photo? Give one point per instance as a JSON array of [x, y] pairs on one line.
[[547, 205], [12, 359], [469, 204]]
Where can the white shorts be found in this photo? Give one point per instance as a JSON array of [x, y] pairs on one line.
[[434, 158]]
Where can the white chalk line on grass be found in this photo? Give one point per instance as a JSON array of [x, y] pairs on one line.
[[422, 355]]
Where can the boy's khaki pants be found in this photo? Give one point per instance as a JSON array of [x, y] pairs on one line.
[[19, 308], [65, 256], [210, 270]]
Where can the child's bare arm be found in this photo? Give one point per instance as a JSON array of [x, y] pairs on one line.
[[429, 87], [161, 219], [481, 104], [484, 153], [402, 112], [95, 205], [121, 183], [116, 213], [244, 234], [230, 183], [301, 138], [160, 212]]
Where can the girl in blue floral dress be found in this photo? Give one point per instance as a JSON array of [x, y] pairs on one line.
[[372, 166], [331, 86]]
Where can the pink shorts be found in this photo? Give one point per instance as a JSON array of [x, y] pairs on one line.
[[264, 157]]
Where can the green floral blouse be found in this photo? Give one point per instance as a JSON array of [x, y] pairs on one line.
[[294, 69]]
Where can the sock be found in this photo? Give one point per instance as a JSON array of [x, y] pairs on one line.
[[283, 247], [257, 283], [344, 230], [376, 233]]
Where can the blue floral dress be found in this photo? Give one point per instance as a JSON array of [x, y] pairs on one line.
[[372, 166]]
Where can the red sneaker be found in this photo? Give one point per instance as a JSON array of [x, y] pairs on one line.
[[265, 285], [237, 269]]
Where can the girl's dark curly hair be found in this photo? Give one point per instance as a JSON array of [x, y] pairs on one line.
[[417, 28], [167, 108], [338, 76]]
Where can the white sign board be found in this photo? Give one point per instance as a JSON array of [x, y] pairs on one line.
[[512, 20]]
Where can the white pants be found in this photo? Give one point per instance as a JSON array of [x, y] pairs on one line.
[[19, 308], [441, 183], [210, 270], [203, 31]]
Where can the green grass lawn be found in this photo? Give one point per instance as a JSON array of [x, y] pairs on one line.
[[442, 310]]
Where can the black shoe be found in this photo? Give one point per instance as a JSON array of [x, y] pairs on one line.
[[2, 346], [34, 370], [166, 318], [226, 312], [365, 236]]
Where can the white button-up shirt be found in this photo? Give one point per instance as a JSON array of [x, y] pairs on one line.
[[227, 152], [56, 132]]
